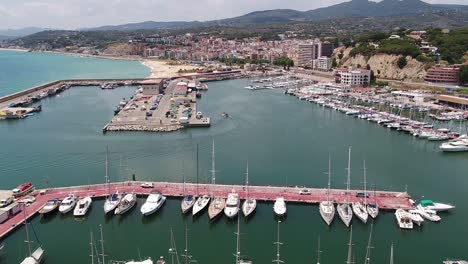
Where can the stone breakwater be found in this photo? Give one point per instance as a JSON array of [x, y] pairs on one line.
[[142, 128]]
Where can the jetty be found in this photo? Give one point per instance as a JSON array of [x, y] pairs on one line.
[[385, 200]]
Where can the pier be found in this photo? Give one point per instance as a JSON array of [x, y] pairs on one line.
[[385, 200]]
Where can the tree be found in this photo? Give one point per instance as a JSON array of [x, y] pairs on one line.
[[464, 74], [402, 62], [284, 61], [372, 78], [334, 63]]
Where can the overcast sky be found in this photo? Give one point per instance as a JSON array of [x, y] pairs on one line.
[[72, 14]]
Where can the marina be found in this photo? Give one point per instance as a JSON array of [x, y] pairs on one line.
[[49, 199]]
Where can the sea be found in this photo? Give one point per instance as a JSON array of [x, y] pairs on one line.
[[285, 141]]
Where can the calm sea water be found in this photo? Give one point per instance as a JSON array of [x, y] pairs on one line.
[[285, 141], [21, 70]]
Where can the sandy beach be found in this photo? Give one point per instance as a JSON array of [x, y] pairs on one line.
[[161, 69]]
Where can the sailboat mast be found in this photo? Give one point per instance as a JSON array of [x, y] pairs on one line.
[[318, 251], [102, 246], [197, 169], [247, 182], [237, 255], [91, 247], [27, 237], [348, 183], [278, 243], [186, 245], [213, 169], [350, 260], [391, 254], [329, 175], [365, 184], [369, 246], [183, 178], [107, 171], [173, 249]]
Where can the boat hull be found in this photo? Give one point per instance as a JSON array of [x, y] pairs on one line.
[[248, 207]]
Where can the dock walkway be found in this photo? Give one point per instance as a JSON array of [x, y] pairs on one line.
[[385, 200]]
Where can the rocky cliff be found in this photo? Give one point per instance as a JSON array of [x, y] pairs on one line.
[[384, 65]]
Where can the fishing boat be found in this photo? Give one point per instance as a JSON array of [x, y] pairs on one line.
[[327, 208], [359, 208], [232, 205], [249, 205], [404, 219], [34, 257], [23, 189], [128, 201], [218, 204], [68, 204], [154, 201], [438, 207], [112, 200], [344, 210], [50, 206], [279, 206], [82, 206]]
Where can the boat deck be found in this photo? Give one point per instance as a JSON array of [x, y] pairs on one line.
[[384, 199]]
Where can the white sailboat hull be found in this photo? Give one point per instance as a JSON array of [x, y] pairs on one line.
[[360, 211], [327, 211], [249, 206], [200, 204], [346, 213]]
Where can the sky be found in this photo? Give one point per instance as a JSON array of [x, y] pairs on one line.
[[73, 14]]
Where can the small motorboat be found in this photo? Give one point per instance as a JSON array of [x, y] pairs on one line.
[[438, 207], [416, 217], [428, 214], [68, 204], [232, 205], [127, 203], [404, 219], [82, 206], [50, 206]]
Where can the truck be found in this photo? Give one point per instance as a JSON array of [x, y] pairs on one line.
[[6, 201]]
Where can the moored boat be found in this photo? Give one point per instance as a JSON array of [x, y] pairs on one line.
[[431, 205], [127, 203], [82, 206], [279, 206], [404, 219], [249, 205], [327, 208], [23, 189], [154, 201], [50, 206], [68, 204], [200, 204], [232, 205]]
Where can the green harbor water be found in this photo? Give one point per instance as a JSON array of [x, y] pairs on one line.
[[285, 141]]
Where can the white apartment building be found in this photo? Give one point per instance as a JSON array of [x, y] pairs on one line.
[[305, 54], [353, 78], [322, 64]]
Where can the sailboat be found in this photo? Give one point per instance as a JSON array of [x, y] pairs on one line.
[[350, 258], [218, 204], [186, 255], [112, 200], [249, 205], [239, 259], [327, 209], [391, 254], [372, 208], [278, 244], [344, 210], [188, 201], [318, 251], [173, 250], [359, 208], [36, 256], [202, 201]]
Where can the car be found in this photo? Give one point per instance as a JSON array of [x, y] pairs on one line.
[[362, 194], [147, 185], [305, 192]]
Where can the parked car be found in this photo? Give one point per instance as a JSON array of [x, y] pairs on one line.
[[147, 185], [305, 192]]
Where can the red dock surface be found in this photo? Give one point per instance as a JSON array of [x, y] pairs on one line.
[[384, 200]]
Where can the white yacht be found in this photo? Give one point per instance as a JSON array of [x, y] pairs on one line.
[[404, 219], [50, 206], [280, 206], [154, 201], [218, 204], [344, 210], [438, 207], [249, 205], [416, 217], [327, 208], [232, 205], [112, 202], [455, 146], [128, 201], [68, 204], [428, 214], [82, 206], [147, 261], [200, 204]]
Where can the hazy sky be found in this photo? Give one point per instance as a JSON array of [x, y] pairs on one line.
[[71, 14]]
